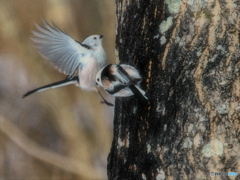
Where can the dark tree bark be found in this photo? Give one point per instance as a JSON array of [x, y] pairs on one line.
[[188, 55]]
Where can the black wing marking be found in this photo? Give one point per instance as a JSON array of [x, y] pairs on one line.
[[84, 45], [120, 68], [124, 77], [136, 92]]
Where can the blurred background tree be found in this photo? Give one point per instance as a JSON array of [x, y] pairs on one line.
[[57, 134]]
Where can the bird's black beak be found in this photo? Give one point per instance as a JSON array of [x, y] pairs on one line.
[[101, 36]]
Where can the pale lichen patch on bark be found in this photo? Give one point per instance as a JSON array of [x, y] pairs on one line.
[[173, 5], [166, 25], [194, 5], [123, 142], [144, 177], [174, 31], [120, 142], [214, 147], [222, 109], [163, 40], [187, 144], [148, 148], [160, 175], [190, 128]]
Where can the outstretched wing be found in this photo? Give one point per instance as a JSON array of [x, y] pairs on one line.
[[59, 48]]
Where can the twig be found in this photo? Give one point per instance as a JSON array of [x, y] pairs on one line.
[[33, 149]]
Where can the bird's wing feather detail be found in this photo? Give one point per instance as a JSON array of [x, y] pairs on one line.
[[59, 48], [122, 76], [138, 92]]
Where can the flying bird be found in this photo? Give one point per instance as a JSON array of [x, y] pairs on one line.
[[70, 56], [121, 81]]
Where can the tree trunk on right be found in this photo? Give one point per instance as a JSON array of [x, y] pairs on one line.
[[188, 54]]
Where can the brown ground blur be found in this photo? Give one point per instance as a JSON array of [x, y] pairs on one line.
[[62, 133]]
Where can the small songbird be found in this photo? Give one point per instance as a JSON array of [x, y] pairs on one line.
[[70, 56], [120, 80]]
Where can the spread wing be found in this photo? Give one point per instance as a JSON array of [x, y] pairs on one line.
[[59, 48]]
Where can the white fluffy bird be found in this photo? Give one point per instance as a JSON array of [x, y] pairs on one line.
[[70, 56], [120, 80]]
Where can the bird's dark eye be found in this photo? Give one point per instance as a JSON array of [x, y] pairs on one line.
[[97, 79], [94, 38]]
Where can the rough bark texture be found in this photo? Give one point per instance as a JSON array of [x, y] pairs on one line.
[[188, 54]]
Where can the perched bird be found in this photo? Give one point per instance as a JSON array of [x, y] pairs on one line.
[[120, 81], [70, 56]]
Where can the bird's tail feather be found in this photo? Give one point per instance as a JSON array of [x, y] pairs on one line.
[[53, 85], [138, 91]]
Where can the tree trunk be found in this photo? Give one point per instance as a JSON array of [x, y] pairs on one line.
[[188, 55]]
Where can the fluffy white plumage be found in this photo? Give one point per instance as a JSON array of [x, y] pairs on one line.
[[69, 56]]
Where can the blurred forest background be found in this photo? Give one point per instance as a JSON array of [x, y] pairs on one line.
[[61, 133]]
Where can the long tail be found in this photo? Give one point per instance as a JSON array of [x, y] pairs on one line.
[[138, 91], [53, 85]]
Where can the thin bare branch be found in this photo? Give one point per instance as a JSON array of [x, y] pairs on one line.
[[86, 171]]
